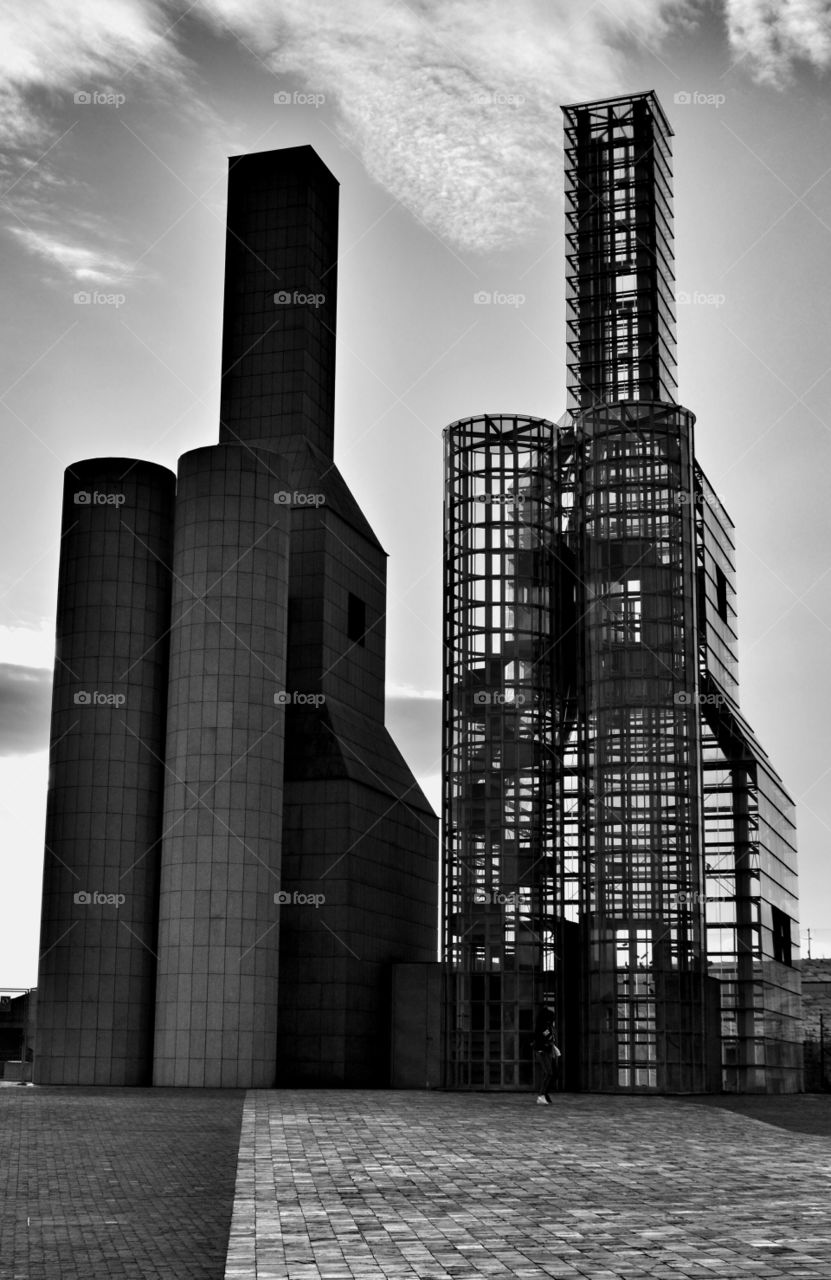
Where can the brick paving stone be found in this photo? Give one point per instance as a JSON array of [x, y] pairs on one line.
[[131, 1184], [358, 1185]]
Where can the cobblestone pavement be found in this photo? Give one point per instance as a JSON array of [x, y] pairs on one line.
[[101, 1183], [801, 1112], [366, 1184]]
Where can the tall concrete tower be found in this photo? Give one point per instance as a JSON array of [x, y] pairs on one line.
[[359, 861], [97, 971]]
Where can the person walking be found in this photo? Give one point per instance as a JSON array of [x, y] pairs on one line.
[[546, 1053]]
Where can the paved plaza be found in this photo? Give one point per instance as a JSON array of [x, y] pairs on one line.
[[145, 1183]]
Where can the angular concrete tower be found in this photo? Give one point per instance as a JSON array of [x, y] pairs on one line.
[[357, 832]]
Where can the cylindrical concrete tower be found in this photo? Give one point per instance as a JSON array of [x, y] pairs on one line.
[[216, 1010], [96, 981]]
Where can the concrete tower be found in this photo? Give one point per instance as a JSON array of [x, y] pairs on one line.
[[359, 864], [96, 978], [241, 812]]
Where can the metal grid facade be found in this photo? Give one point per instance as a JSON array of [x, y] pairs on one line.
[[500, 705], [616, 843], [643, 911], [620, 298]]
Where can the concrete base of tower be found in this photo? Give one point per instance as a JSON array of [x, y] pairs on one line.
[[359, 890]]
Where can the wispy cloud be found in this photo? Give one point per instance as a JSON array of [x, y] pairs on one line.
[[63, 45], [85, 263], [453, 106], [773, 35]]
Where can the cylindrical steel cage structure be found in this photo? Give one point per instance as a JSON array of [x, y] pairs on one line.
[[500, 905], [645, 994]]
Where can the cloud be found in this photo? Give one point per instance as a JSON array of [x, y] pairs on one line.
[[25, 704], [63, 45], [84, 263], [772, 35], [453, 107]]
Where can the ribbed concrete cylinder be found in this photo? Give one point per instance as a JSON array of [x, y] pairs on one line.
[[216, 1008], [96, 981]]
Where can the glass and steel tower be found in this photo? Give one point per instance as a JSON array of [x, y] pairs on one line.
[[620, 297], [603, 799]]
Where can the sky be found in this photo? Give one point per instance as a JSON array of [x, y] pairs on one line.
[[441, 120]]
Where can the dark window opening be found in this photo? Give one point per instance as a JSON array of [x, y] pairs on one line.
[[721, 594], [781, 936], [356, 620]]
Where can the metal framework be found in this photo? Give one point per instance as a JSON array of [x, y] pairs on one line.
[[616, 842], [620, 298], [498, 733]]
